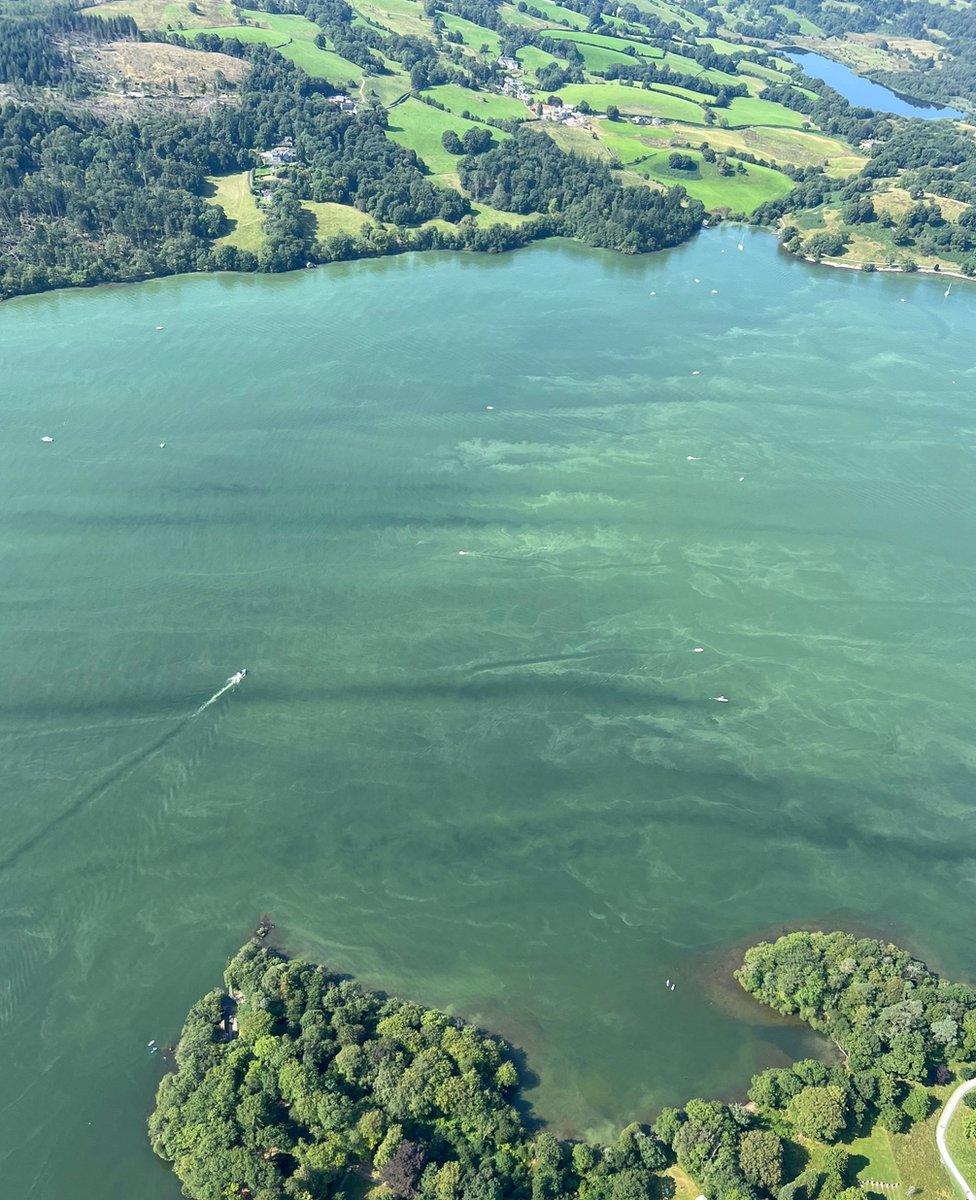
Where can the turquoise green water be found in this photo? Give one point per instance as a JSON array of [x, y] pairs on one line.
[[493, 780]]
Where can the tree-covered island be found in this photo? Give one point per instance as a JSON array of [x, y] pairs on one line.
[[293, 1082]]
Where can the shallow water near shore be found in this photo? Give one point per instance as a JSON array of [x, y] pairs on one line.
[[497, 781]]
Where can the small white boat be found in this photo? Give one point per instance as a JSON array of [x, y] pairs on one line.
[[162, 445], [740, 246], [692, 458], [696, 372], [45, 438], [721, 699], [239, 675], [698, 650], [948, 290], [489, 408], [462, 553]]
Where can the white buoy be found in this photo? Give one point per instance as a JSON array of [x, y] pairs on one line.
[[45, 438]]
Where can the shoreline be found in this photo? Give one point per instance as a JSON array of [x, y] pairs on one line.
[[404, 251], [941, 273]]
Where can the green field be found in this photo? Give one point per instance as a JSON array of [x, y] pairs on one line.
[[629, 143], [750, 110], [798, 147], [320, 64], [475, 36], [962, 1148], [331, 219], [738, 193], [534, 59], [234, 196], [672, 13], [481, 104], [168, 14], [402, 16], [512, 16], [586, 40], [555, 12], [419, 127], [633, 100]]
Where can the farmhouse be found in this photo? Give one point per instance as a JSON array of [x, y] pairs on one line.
[[342, 102], [277, 156]]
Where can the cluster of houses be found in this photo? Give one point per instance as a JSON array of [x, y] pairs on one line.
[[512, 85]]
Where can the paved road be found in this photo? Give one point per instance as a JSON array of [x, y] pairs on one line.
[[940, 1136]]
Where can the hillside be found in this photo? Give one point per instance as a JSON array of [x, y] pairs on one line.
[[322, 129]]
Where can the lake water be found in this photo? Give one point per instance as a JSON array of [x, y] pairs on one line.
[[496, 780], [865, 93]]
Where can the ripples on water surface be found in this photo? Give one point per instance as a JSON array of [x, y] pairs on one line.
[[494, 780]]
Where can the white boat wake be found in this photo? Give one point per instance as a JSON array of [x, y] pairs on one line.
[[234, 680], [117, 773]]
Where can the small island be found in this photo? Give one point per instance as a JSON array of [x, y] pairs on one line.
[[293, 1082]]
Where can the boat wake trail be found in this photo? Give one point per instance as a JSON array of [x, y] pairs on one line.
[[234, 680], [115, 774]]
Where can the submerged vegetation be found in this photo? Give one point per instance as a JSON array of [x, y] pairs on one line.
[[293, 1082]]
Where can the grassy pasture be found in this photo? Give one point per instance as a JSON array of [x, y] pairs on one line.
[[320, 64], [586, 40], [798, 147], [475, 36], [740, 193], [482, 104], [627, 143], [165, 14], [387, 88], [233, 195], [331, 219], [807, 27], [751, 110], [672, 13], [512, 16], [962, 1148], [633, 100], [419, 127], [576, 141], [533, 59], [556, 12], [402, 16]]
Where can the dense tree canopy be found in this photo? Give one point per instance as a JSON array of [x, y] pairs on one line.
[[882, 1007], [292, 1082]]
